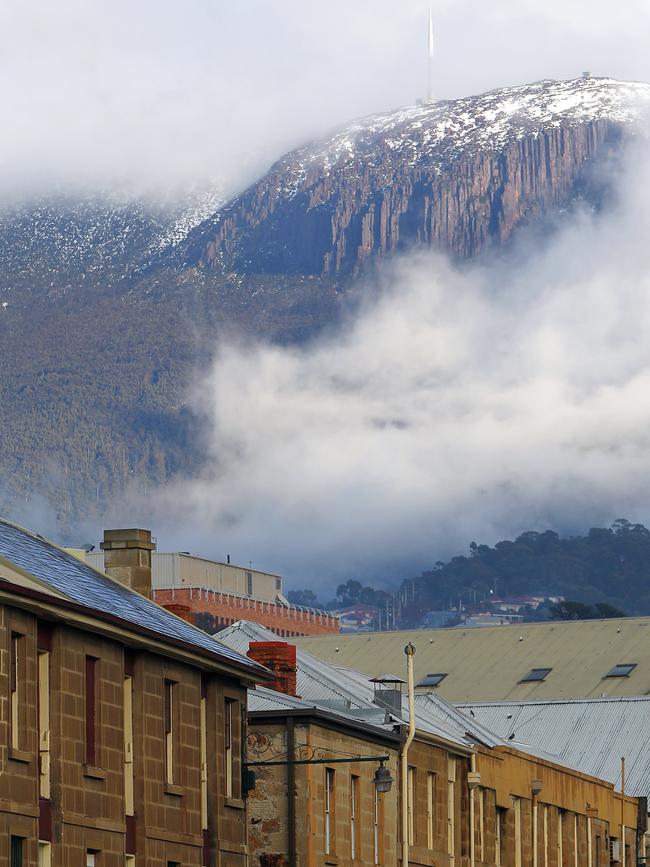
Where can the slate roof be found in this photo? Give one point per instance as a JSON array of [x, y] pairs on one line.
[[589, 734], [79, 583]]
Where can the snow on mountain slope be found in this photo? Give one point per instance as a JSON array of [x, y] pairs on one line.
[[458, 175]]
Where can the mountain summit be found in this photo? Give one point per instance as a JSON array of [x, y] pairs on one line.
[[457, 175], [107, 306]]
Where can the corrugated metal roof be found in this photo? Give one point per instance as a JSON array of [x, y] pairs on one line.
[[590, 734], [95, 591], [488, 664], [350, 691]]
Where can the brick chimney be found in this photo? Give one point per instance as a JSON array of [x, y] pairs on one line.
[[280, 658], [127, 558], [180, 610]]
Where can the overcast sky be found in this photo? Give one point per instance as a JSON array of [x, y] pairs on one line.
[[154, 92]]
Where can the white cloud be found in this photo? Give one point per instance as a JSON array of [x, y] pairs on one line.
[[462, 404], [157, 92]]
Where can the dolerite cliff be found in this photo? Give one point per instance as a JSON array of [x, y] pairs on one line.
[[454, 175]]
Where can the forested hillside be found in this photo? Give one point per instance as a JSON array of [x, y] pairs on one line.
[[607, 565]]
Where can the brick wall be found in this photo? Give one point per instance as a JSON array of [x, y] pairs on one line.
[[213, 610]]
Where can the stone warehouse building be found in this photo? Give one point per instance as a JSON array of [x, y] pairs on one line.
[[121, 724], [473, 798]]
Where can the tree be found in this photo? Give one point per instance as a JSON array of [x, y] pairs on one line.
[[307, 598]]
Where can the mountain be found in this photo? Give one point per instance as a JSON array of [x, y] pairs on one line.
[[108, 304], [456, 175]]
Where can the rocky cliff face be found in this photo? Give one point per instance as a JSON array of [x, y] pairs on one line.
[[457, 176]]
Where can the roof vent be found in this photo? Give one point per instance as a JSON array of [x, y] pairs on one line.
[[388, 692]]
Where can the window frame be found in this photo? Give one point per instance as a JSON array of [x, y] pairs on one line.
[[330, 811], [426, 682], [355, 815], [630, 666], [169, 729], [536, 675], [91, 710], [431, 800]]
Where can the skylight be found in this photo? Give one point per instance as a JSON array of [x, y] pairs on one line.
[[433, 679], [535, 675], [623, 669]]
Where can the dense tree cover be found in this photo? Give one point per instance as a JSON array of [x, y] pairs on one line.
[[605, 567]]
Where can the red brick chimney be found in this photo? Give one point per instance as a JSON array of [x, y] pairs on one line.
[[181, 610], [280, 658]]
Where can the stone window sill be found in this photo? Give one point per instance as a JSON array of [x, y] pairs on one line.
[[94, 773], [171, 789], [237, 803], [17, 755]]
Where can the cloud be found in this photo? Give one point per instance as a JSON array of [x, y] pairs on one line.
[[157, 93], [461, 404]]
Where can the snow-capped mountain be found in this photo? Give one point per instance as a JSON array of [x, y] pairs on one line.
[[458, 175]]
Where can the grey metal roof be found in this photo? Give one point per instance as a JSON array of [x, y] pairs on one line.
[[588, 734], [95, 591], [327, 686]]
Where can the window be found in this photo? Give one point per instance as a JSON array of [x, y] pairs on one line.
[[204, 754], [16, 851], [432, 680], [376, 826], [329, 811], [229, 752], [91, 710], [431, 789], [517, 832], [623, 669], [169, 731], [500, 837], [410, 806], [129, 861], [44, 854], [91, 858], [535, 675], [249, 583], [545, 835], [354, 813], [451, 807], [127, 705], [17, 685], [44, 724]]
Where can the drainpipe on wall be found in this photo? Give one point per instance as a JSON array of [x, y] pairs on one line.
[[534, 829], [409, 650]]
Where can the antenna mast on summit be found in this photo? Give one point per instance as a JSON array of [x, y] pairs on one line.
[[430, 58]]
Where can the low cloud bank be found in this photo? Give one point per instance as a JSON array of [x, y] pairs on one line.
[[460, 404], [152, 94]]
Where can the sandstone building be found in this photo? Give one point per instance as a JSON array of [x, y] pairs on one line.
[[121, 724], [473, 798]]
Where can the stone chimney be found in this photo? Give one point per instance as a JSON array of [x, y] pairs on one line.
[[280, 658], [127, 558]]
